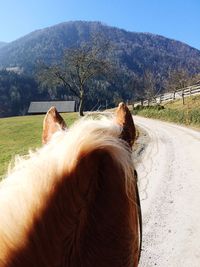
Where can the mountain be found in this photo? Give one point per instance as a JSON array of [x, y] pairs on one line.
[[134, 51], [141, 57], [2, 44]]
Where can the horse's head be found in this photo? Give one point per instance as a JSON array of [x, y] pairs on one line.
[[79, 197], [125, 119], [53, 122]]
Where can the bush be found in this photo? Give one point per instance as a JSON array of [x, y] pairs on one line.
[[195, 116], [140, 108]]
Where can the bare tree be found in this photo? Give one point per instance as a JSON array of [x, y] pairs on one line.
[[178, 79], [150, 85], [195, 79], [79, 65]]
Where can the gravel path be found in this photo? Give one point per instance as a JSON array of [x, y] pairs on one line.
[[169, 183]]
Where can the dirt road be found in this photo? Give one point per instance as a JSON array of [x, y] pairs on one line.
[[169, 175]]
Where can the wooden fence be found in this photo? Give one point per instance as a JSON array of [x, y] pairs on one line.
[[170, 96]]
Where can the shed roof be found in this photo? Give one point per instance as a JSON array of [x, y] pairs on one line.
[[43, 107]]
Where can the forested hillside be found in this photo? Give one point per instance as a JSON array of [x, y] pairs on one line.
[[16, 92], [136, 51]]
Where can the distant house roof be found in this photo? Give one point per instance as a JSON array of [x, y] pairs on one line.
[[43, 107]]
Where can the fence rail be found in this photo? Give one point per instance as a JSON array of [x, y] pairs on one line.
[[170, 96]]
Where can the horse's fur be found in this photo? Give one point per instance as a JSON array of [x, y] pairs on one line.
[[71, 203], [53, 122]]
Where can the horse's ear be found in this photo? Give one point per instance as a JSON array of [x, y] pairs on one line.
[[125, 119], [52, 123]]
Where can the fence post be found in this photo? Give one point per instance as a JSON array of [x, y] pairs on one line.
[[182, 94], [174, 93]]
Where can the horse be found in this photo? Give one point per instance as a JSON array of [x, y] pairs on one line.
[[73, 202]]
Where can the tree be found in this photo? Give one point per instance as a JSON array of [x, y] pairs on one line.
[[195, 79], [151, 83], [178, 79], [78, 67]]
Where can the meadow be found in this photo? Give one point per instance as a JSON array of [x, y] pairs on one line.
[[19, 134]]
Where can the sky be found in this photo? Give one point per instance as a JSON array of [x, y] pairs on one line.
[[175, 19]]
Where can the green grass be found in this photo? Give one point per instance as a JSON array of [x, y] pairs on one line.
[[19, 134], [175, 111]]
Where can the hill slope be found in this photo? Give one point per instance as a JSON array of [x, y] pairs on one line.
[[135, 51], [2, 44]]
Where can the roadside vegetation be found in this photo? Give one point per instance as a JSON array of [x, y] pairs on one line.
[[174, 111], [19, 134]]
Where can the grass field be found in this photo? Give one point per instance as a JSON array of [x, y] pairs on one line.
[[19, 134], [175, 111]]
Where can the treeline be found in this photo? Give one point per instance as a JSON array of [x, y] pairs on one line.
[[18, 90]]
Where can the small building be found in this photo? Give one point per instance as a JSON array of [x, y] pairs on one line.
[[43, 107]]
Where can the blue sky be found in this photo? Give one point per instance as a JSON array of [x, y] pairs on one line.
[[176, 19]]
